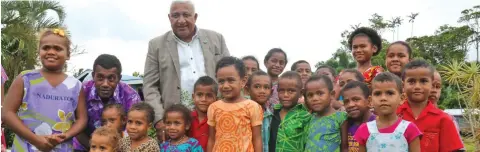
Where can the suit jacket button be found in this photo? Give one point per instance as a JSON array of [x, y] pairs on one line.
[[178, 88]]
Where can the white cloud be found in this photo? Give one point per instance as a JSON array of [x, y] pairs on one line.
[[306, 29]]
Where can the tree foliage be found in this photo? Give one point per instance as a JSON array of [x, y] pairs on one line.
[[21, 23], [466, 78]]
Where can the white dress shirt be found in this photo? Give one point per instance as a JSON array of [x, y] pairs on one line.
[[192, 67]]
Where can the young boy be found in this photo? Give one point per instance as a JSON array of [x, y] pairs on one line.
[[204, 94], [439, 133], [355, 98], [435, 95], [288, 127]]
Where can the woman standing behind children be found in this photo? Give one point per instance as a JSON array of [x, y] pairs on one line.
[[259, 86], [288, 127], [177, 121], [50, 104], [104, 139], [365, 43], [275, 61], [140, 118], [233, 120], [388, 132], [324, 130]]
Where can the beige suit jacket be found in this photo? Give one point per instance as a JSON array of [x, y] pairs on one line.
[[161, 84]]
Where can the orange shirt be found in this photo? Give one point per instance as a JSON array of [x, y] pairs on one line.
[[233, 124], [439, 132]]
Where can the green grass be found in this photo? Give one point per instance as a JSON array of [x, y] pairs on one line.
[[469, 144]]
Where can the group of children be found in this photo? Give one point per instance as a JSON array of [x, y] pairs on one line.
[[363, 109]]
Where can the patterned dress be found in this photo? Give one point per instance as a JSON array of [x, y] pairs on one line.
[[150, 146], [368, 74], [47, 110], [233, 123], [273, 98], [371, 72], [324, 133], [191, 145]]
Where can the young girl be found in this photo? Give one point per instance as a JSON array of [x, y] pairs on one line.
[[398, 55], [388, 132], [50, 104], [330, 73], [275, 62], [140, 118], [365, 43], [114, 117], [251, 65], [259, 86], [325, 128], [349, 75], [234, 122], [104, 139], [303, 68], [177, 121]]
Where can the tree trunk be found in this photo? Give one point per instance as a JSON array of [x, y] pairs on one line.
[[411, 35]]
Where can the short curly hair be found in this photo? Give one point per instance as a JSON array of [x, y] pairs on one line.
[[112, 134], [375, 39]]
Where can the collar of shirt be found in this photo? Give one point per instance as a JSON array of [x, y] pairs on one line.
[[430, 108], [267, 113], [183, 42], [296, 107], [195, 118]]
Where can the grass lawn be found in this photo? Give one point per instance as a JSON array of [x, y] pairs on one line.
[[469, 145]]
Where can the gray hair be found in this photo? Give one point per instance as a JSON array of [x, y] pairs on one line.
[[188, 2]]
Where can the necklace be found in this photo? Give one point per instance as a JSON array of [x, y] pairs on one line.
[[172, 146]]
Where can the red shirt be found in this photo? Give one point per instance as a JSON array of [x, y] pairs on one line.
[[439, 132], [199, 130]]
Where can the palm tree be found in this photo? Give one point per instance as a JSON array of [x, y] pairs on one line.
[[21, 21], [412, 17], [466, 78]]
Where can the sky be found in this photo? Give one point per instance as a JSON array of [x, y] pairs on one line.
[[306, 29]]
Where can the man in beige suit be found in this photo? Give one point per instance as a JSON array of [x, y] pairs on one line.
[[178, 58]]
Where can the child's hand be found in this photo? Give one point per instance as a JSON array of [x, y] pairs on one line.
[[56, 139], [43, 144]]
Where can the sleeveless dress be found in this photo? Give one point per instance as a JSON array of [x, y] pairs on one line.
[[47, 110], [387, 142]]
